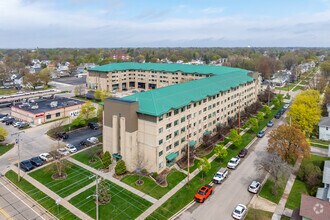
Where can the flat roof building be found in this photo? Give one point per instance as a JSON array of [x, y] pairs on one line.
[[155, 127], [40, 111]]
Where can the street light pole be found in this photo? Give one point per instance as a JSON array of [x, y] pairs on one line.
[[18, 134], [97, 197]]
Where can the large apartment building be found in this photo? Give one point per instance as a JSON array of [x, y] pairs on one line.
[[153, 129]]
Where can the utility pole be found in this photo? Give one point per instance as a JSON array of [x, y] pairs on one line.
[[18, 139], [97, 197]]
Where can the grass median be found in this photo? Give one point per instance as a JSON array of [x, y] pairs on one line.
[[4, 148], [123, 204], [150, 187], [86, 157], [254, 214], [40, 197], [77, 177]]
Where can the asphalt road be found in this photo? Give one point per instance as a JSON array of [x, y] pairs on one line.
[[233, 190], [15, 206]]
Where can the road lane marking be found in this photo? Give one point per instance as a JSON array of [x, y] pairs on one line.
[[4, 213], [22, 200]]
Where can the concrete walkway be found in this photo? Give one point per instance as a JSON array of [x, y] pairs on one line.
[[54, 196], [109, 176], [79, 191], [319, 151], [258, 202], [281, 205]]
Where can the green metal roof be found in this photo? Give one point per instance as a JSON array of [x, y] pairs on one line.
[[159, 101], [172, 156], [192, 143], [199, 69]]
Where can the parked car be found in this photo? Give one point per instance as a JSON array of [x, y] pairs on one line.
[[16, 123], [6, 118], [203, 193], [93, 125], [270, 124], [10, 121], [282, 111], [243, 153], [233, 163], [278, 115], [254, 187], [62, 135], [26, 165], [23, 125], [261, 134], [286, 106], [3, 115], [46, 157], [83, 143], [63, 151], [36, 161], [239, 212], [220, 176], [93, 140], [71, 148]]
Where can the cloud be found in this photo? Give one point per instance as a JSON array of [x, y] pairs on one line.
[[212, 10]]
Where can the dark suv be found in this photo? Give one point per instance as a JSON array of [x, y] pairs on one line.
[[26, 165], [62, 135], [93, 125]]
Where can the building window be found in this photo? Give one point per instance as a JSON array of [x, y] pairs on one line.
[[176, 122], [160, 153], [176, 143], [160, 118], [183, 129], [161, 165], [183, 140], [169, 147], [176, 111], [176, 133], [160, 141], [168, 137], [183, 119], [168, 114], [169, 125], [160, 130], [58, 114], [48, 116]]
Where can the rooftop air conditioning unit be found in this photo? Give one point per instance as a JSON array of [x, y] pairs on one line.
[[53, 104]]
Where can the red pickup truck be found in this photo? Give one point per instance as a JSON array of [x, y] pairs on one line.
[[203, 193]]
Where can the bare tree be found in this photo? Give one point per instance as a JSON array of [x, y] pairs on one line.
[[79, 90], [60, 164], [277, 168], [140, 165]]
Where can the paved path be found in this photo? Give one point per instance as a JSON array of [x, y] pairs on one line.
[[54, 196], [109, 176], [15, 205], [319, 151], [80, 191], [281, 205], [258, 202]]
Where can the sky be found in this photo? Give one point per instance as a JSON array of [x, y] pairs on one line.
[[170, 23]]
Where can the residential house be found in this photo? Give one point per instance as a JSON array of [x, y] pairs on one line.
[[312, 208], [324, 126]]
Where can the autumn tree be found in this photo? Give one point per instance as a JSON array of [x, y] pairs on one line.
[[277, 168], [204, 165], [234, 137], [305, 111], [3, 134], [253, 124], [266, 66], [87, 110], [44, 76], [31, 80], [288, 142], [220, 151]]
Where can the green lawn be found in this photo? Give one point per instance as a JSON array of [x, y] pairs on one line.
[[285, 217], [7, 91], [5, 147], [294, 198], [319, 143], [257, 214], [77, 177], [299, 186], [44, 200], [123, 204], [85, 157], [297, 88], [286, 87], [150, 187], [266, 192]]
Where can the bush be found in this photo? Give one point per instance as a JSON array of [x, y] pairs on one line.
[[78, 122], [120, 168], [310, 174], [106, 160], [154, 175]]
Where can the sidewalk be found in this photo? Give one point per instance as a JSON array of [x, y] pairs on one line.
[[54, 196], [109, 176], [319, 151], [281, 205]]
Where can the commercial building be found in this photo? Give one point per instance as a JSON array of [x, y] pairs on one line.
[[153, 129], [40, 111]]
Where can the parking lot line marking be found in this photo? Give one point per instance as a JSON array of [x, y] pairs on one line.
[[4, 213]]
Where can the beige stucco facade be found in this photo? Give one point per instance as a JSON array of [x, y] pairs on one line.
[[145, 140]]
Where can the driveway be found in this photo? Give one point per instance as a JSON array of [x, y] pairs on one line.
[[234, 190], [75, 137]]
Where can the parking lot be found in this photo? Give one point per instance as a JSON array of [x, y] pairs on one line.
[[72, 80], [75, 137]]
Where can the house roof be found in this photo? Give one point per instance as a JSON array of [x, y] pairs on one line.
[[173, 67], [159, 101], [314, 208], [324, 122]]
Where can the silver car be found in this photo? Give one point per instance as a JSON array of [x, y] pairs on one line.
[[254, 187]]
